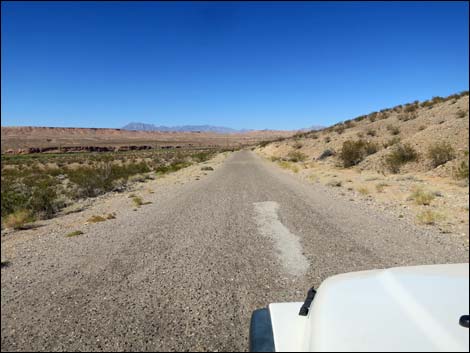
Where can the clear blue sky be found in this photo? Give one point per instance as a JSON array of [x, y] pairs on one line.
[[243, 65]]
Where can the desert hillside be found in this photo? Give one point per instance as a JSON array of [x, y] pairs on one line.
[[420, 125], [413, 158], [22, 138]]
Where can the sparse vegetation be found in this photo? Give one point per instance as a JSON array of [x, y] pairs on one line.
[[354, 152], [18, 219], [429, 217], [461, 171], [363, 190], [207, 168], [74, 233], [289, 165], [391, 142], [380, 187], [326, 153], [296, 156], [422, 197], [44, 184], [440, 153], [401, 154], [371, 132], [137, 201], [96, 219], [334, 183], [394, 130]]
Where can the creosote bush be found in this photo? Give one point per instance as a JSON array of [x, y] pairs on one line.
[[354, 152], [400, 155], [440, 153], [296, 156]]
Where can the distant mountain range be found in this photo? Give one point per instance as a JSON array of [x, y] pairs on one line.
[[194, 128], [183, 128]]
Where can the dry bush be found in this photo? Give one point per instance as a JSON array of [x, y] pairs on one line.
[[394, 130], [429, 217], [422, 197], [400, 155], [18, 219], [354, 152], [440, 153], [296, 156]]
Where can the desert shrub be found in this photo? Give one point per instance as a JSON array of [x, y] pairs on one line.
[[326, 153], [400, 155], [461, 171], [297, 145], [15, 196], [327, 139], [172, 167], [422, 197], [410, 108], [407, 116], [437, 99], [74, 233], [422, 127], [349, 124], [429, 217], [340, 129], [372, 117], [18, 219], [394, 130], [288, 165], [207, 168], [363, 190], [353, 152], [440, 153], [264, 143], [461, 114], [201, 156], [371, 132], [296, 156], [137, 201], [43, 202], [335, 183], [380, 187], [96, 219], [275, 158], [360, 118], [391, 142]]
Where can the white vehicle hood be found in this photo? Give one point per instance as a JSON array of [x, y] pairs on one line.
[[401, 309]]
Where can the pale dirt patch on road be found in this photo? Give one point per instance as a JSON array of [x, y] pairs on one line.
[[287, 244]]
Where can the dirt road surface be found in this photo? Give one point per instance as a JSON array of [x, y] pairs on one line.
[[185, 272]]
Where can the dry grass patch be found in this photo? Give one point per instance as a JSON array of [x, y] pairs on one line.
[[429, 217], [18, 219], [363, 190], [289, 165], [74, 233], [422, 197], [380, 187], [96, 219]]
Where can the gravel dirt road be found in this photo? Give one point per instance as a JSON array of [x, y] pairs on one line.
[[185, 272]]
